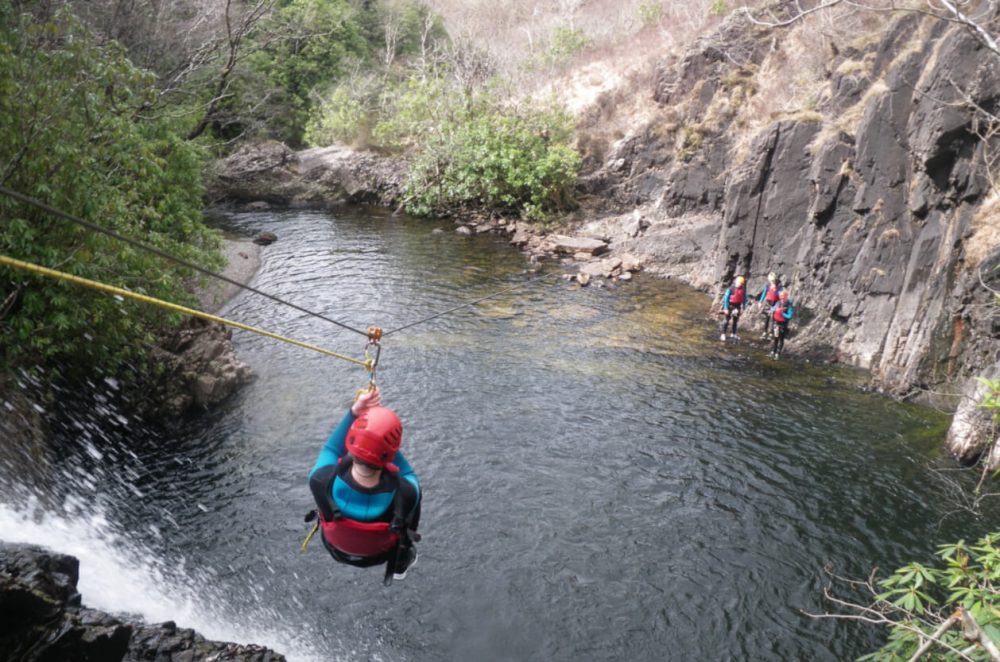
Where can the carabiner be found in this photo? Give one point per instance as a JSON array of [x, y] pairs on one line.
[[374, 336]]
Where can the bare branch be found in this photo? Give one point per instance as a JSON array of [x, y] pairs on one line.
[[795, 19], [978, 29], [973, 632], [933, 639]]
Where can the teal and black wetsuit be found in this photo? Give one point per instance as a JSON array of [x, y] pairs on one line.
[[339, 497]]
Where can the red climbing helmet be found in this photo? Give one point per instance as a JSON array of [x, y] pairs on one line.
[[784, 295], [375, 436]]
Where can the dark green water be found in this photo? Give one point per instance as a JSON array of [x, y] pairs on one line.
[[603, 478]]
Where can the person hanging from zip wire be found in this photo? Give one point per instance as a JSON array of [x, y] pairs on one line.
[[781, 314], [367, 494], [733, 301], [767, 297]]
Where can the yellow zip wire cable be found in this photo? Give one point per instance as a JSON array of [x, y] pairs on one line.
[[110, 289]]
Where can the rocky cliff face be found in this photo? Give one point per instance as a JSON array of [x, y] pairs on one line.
[[43, 619], [876, 202]]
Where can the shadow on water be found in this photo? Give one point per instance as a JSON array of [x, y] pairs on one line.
[[603, 478]]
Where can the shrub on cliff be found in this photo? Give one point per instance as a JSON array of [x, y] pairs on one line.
[[76, 131]]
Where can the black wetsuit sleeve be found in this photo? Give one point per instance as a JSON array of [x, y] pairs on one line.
[[410, 503], [319, 484]]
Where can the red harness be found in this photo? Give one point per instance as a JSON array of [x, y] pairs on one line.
[[772, 293], [779, 314], [736, 298], [361, 538]]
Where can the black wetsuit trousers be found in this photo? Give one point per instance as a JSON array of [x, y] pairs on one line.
[[731, 314], [780, 331]]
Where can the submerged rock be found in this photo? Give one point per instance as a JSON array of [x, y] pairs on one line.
[[42, 618], [265, 238]]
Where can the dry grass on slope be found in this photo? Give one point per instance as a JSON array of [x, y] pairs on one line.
[[608, 85], [793, 81]]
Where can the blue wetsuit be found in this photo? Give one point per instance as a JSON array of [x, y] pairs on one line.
[[335, 490], [762, 298], [731, 311]]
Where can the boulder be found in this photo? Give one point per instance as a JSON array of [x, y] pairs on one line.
[[464, 230], [631, 262], [520, 237], [199, 369], [972, 431], [271, 173], [602, 268], [571, 245], [634, 226]]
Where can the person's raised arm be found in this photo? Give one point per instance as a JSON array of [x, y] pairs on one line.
[[334, 448]]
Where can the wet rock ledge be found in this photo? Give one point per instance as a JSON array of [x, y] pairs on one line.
[[42, 619]]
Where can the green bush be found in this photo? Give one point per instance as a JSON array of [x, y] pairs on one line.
[[959, 592], [513, 162], [342, 117], [76, 131], [308, 56]]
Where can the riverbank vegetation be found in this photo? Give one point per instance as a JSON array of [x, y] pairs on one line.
[[112, 115], [80, 129]]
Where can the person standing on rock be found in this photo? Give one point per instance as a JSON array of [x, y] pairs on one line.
[[367, 494], [781, 315], [767, 297], [733, 301]]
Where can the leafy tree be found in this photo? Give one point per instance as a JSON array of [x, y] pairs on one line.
[[305, 46], [74, 132], [468, 149]]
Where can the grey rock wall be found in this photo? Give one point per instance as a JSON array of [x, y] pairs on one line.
[[872, 227]]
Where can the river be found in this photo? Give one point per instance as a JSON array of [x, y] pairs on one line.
[[603, 478]]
